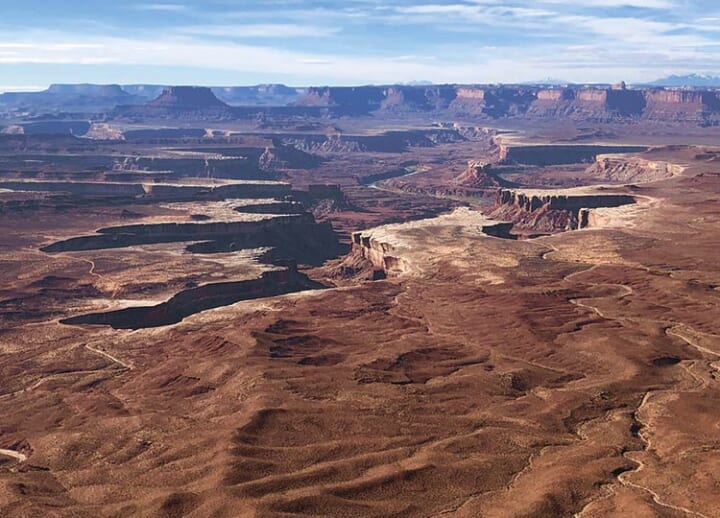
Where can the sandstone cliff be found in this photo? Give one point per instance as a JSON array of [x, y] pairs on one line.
[[548, 211], [380, 254], [617, 103]]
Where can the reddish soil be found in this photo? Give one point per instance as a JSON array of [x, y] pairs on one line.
[[571, 374]]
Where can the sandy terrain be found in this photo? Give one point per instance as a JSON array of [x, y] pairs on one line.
[[569, 375]]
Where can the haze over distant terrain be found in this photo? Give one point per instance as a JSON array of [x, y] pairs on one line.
[[354, 42]]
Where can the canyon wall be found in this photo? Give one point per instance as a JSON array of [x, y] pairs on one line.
[[578, 103], [195, 300], [545, 155], [380, 254], [547, 211], [291, 236], [256, 103]]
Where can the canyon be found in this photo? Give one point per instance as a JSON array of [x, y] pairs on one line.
[[423, 301]]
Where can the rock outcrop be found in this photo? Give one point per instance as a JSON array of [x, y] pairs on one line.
[[380, 254], [588, 103], [355, 100], [187, 98], [548, 211], [616, 103], [179, 101], [616, 168], [104, 131], [388, 142], [683, 106], [479, 175]]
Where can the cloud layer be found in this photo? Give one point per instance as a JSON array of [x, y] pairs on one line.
[[357, 41]]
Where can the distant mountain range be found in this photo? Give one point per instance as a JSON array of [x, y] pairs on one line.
[[698, 80]]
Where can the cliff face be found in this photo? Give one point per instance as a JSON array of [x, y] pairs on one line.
[[685, 106], [600, 104], [588, 103], [346, 100], [408, 98], [195, 300], [380, 254], [495, 102], [260, 95], [544, 211]]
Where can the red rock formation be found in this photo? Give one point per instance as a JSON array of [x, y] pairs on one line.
[[683, 106], [588, 103], [556, 94], [379, 254], [632, 169], [479, 175], [549, 212]]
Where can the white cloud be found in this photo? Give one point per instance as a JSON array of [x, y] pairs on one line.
[[645, 4], [268, 30], [581, 41]]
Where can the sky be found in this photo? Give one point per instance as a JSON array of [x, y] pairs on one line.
[[353, 42]]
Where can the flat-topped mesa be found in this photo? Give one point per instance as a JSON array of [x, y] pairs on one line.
[[619, 168], [260, 95], [588, 103], [548, 211], [556, 94], [496, 102], [188, 98], [346, 100], [409, 98], [682, 105]]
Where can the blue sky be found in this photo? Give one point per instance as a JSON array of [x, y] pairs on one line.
[[319, 42]]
